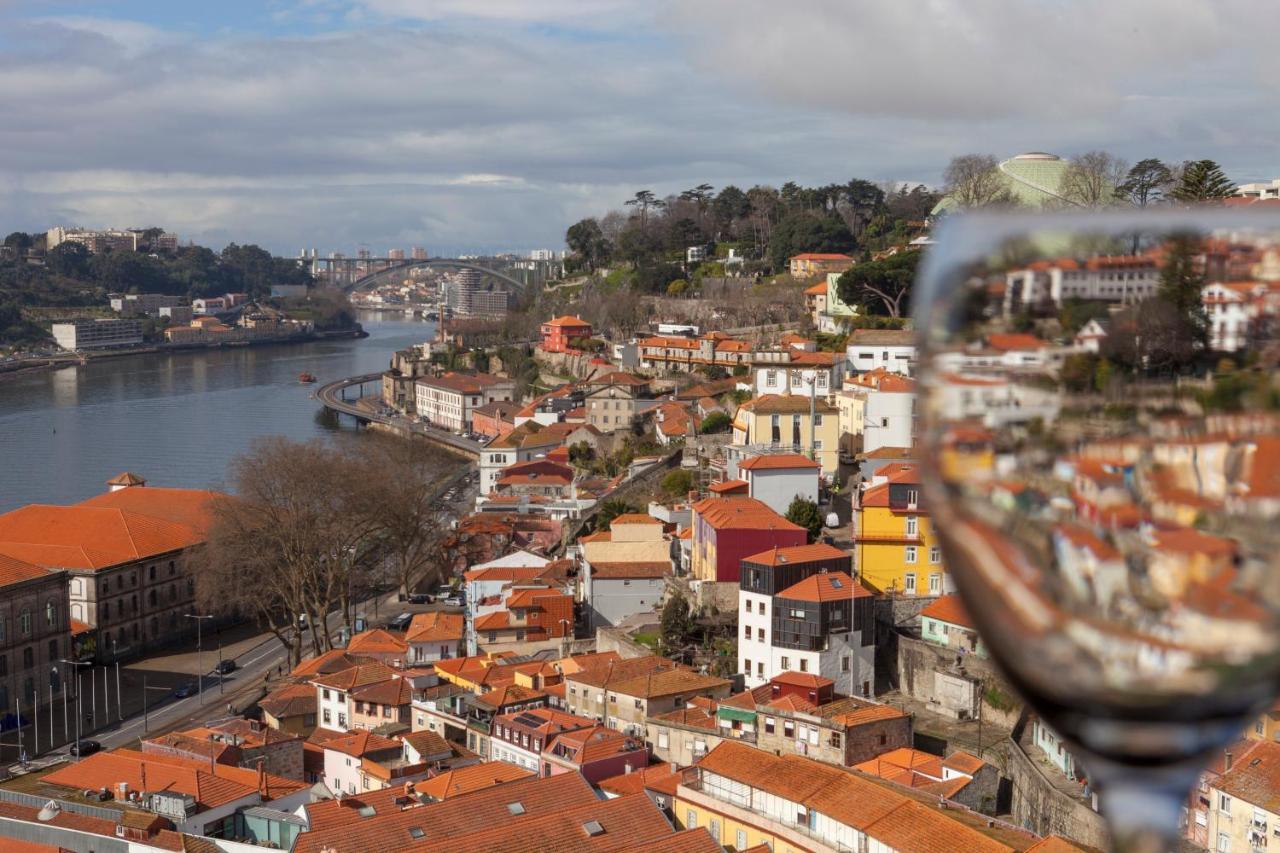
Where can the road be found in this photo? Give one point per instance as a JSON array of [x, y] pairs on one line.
[[330, 397]]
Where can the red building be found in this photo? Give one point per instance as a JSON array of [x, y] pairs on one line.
[[597, 753], [494, 419], [557, 333], [728, 529]]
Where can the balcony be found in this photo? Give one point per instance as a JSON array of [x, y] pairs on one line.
[[908, 538]]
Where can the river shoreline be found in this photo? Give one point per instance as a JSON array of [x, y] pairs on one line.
[[57, 362]]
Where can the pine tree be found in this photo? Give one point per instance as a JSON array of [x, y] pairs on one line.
[[1203, 182], [1182, 285]]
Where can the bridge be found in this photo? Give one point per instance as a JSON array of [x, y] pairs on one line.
[[334, 396], [352, 274]]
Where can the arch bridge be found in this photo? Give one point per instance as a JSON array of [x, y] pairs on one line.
[[353, 274]]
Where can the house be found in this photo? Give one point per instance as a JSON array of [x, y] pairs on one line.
[[536, 478], [810, 264], [381, 645], [686, 734], [776, 479], [333, 692], [725, 530], [796, 371], [895, 546], [946, 622], [1055, 750], [290, 709], [625, 693], [349, 757], [524, 443], [617, 400], [675, 353], [521, 737], [893, 350], [560, 333], [828, 312], [124, 557], [596, 752], [1091, 336], [1044, 285], [784, 423], [959, 777], [435, 636], [825, 625], [200, 797], [448, 401], [877, 409], [494, 420], [747, 797], [237, 742], [529, 617], [586, 690], [623, 569]]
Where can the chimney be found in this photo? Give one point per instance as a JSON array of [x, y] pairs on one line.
[[408, 789], [263, 789], [1227, 764]]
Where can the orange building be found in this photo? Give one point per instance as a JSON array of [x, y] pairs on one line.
[[557, 333]]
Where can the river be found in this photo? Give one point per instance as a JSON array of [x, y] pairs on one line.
[[176, 419]]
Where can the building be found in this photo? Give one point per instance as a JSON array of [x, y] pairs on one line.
[[124, 557], [960, 777], [782, 423], [350, 758], [1260, 190], [617, 400], [828, 312], [795, 371], [435, 636], [527, 618], [35, 634], [448, 401], [1244, 802], [895, 546], [468, 296], [800, 610], [290, 709], [877, 409], [779, 478], [77, 335], [947, 623], [892, 350], [623, 569], [559, 333], [727, 530], [143, 304], [811, 264], [683, 353], [334, 689], [211, 305], [236, 742], [495, 419], [96, 240], [623, 695], [747, 797], [597, 753], [407, 365], [1044, 285], [520, 738]]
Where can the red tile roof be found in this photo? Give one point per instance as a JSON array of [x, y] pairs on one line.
[[777, 461], [950, 609], [798, 554], [567, 320], [358, 744], [633, 571], [89, 537], [827, 586], [821, 256], [634, 518], [739, 513], [436, 627], [378, 641]]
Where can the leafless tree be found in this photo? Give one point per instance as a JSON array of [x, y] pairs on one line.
[[1091, 179], [974, 180]]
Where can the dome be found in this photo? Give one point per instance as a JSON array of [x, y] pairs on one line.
[[1037, 155]]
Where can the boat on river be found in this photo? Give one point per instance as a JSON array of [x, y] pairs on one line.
[[306, 377]]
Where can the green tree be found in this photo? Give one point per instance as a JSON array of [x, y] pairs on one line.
[[19, 242], [677, 483], [802, 231], [1146, 183], [1102, 375], [887, 282], [807, 515], [1182, 285], [1203, 182], [716, 422], [68, 259], [678, 287], [974, 180], [611, 509], [585, 239], [1078, 371]]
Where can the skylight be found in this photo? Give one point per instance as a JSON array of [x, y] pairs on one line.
[[593, 828], [515, 808], [416, 832], [836, 583]]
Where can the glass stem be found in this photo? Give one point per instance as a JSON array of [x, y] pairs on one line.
[[1144, 812]]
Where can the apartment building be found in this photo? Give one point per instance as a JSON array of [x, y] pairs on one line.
[[76, 335], [895, 547], [448, 401]]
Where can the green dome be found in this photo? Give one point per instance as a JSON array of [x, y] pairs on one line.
[[1034, 179]]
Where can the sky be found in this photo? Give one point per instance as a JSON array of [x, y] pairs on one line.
[[487, 125]]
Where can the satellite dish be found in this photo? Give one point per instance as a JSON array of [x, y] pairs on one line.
[[49, 812]]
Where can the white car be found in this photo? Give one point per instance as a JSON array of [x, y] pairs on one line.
[[833, 520]]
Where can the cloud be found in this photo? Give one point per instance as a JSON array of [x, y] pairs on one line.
[[968, 60]]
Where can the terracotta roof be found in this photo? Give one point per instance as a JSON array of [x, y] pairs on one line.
[[334, 660], [505, 573], [730, 487], [950, 609], [633, 821], [826, 586], [666, 683], [613, 671], [360, 743], [786, 404], [819, 289], [588, 745], [618, 377], [739, 513], [821, 256], [378, 641], [637, 780], [493, 620], [803, 679], [89, 537], [511, 694], [531, 598], [346, 679], [567, 320], [212, 785], [1187, 540], [461, 383], [191, 507], [963, 762], [1014, 342], [634, 518], [427, 743], [777, 461], [435, 627], [394, 691], [645, 570], [798, 554], [1255, 778], [793, 703], [17, 571], [698, 718], [882, 337], [476, 777]]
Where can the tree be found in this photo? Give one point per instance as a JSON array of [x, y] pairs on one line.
[[1182, 285], [678, 287], [974, 180], [807, 515], [887, 281], [1152, 336], [802, 231], [585, 239], [716, 422], [19, 242], [642, 201], [1202, 182], [1091, 179], [611, 509], [676, 624], [1146, 183], [678, 483], [1078, 372], [68, 259]]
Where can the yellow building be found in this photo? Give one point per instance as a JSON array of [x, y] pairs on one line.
[[895, 548], [782, 422]]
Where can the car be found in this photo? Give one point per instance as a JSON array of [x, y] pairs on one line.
[[833, 520], [226, 666], [453, 601], [400, 622], [419, 598], [185, 690], [85, 747]]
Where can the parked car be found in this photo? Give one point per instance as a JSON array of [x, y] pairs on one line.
[[453, 601], [85, 747], [400, 622], [185, 690], [419, 598], [226, 666]]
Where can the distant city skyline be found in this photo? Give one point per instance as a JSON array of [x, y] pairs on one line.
[[475, 128]]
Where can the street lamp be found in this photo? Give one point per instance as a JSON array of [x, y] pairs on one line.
[[79, 705], [199, 652]]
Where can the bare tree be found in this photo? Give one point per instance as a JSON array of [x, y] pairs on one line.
[[1091, 180], [974, 180]]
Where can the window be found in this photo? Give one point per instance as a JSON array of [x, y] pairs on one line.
[[763, 611], [24, 622], [769, 725], [748, 605], [28, 658], [909, 555], [326, 716], [760, 670], [106, 612], [639, 704], [804, 664], [741, 839], [788, 729], [760, 634], [746, 665], [909, 583], [714, 829], [325, 695], [51, 614], [913, 525], [935, 583], [151, 575], [746, 632], [664, 740], [4, 665], [690, 819], [785, 662], [1224, 802], [844, 664], [53, 650], [342, 720], [935, 555]]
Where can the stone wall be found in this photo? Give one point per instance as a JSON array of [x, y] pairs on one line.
[[617, 640], [952, 683], [1040, 807]]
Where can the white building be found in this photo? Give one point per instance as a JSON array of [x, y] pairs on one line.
[[97, 334], [1126, 279], [794, 371], [1260, 190], [892, 349], [997, 401], [209, 305], [777, 479], [1232, 308], [879, 407], [447, 401]]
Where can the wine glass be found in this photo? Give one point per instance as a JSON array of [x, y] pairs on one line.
[[1101, 437]]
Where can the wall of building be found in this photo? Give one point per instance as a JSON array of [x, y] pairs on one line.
[[612, 600], [779, 488], [1043, 809]]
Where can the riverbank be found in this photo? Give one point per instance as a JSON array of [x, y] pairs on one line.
[[24, 367]]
